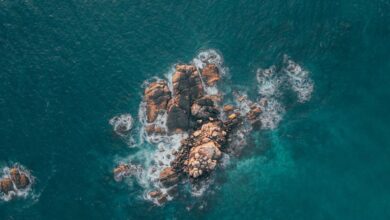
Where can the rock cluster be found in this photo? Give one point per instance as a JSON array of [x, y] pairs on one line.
[[189, 109], [15, 180]]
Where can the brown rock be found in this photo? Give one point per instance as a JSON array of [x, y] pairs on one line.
[[203, 159], [6, 185], [168, 177], [20, 179], [211, 73], [157, 96], [155, 194]]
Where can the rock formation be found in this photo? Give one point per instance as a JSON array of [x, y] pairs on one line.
[[157, 96], [20, 179], [16, 179], [6, 185], [187, 88], [189, 109]]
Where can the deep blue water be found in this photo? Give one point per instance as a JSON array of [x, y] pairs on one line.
[[67, 67]]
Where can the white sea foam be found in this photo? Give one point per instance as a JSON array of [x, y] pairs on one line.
[[122, 123], [298, 79], [270, 84]]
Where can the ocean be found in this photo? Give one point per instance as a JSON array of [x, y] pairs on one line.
[[68, 67]]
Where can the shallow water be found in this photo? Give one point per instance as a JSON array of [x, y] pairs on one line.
[[68, 67]]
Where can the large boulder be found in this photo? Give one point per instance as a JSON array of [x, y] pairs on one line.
[[157, 96], [187, 87], [211, 74], [20, 179], [168, 177], [6, 185]]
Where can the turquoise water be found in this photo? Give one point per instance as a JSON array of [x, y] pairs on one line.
[[67, 67]]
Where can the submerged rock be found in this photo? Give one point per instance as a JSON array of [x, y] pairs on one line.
[[122, 124]]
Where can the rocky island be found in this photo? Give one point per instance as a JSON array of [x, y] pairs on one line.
[[188, 108]]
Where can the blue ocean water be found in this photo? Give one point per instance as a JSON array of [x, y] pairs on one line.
[[67, 67]]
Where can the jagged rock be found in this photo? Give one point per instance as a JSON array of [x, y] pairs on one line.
[[211, 73], [187, 87], [20, 179], [6, 185], [168, 177], [157, 96]]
